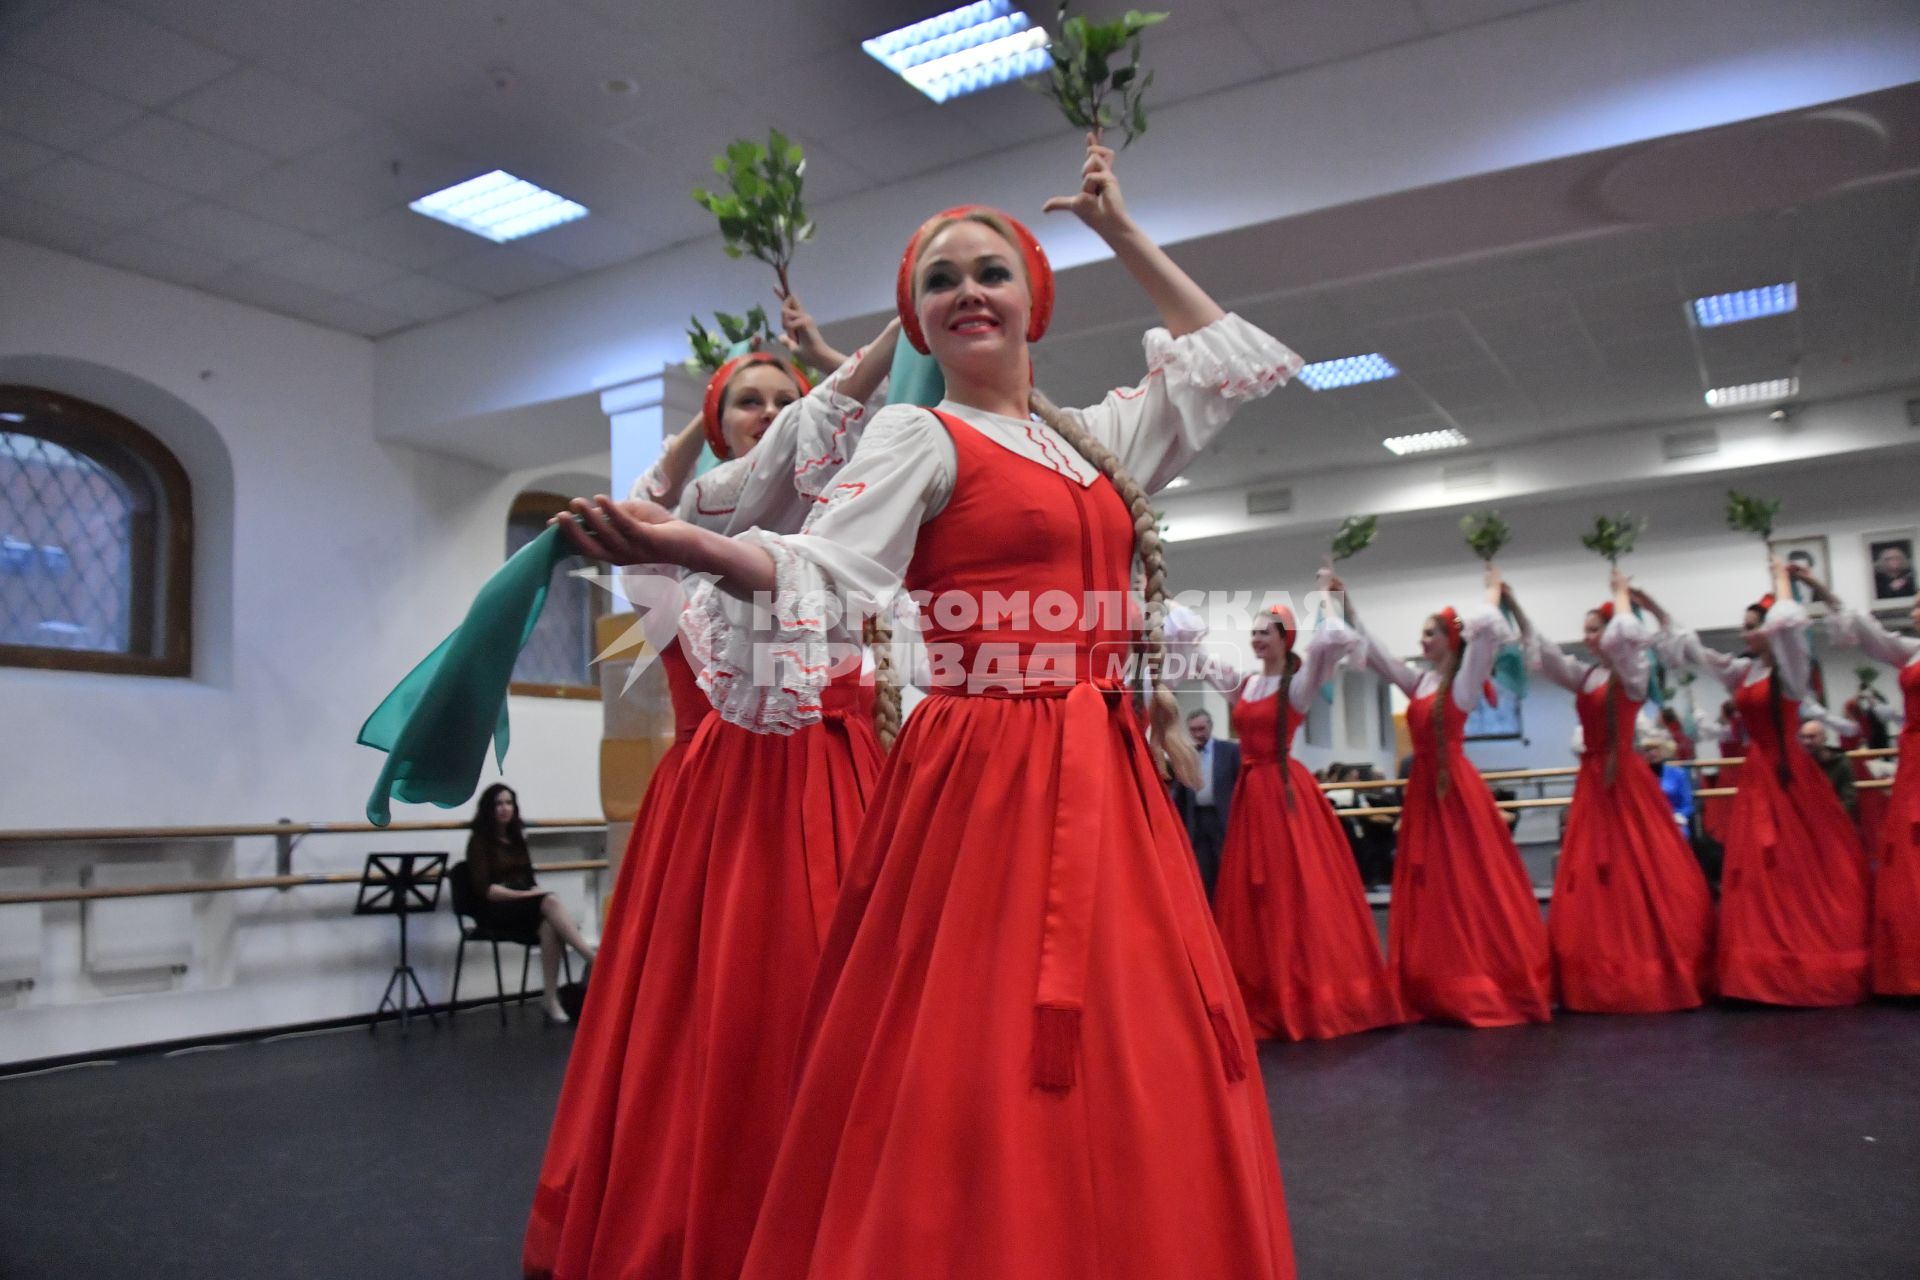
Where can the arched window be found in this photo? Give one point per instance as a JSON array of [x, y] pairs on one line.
[[557, 661], [96, 541]]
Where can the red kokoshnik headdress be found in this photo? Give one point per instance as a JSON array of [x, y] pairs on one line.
[[1039, 273], [710, 407]]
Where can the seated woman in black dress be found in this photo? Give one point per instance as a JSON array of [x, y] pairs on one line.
[[507, 900]]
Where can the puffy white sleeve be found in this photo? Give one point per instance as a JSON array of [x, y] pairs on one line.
[[1185, 630], [1193, 386], [1388, 667], [764, 663], [1625, 642], [1327, 645], [1786, 627], [777, 484], [1486, 630], [1551, 661], [1680, 647], [1861, 630]]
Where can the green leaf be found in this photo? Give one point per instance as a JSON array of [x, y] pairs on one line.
[[1749, 514], [1355, 535], [1486, 533], [1084, 81], [1123, 77]]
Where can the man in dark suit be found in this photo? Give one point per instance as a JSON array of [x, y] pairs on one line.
[[1205, 810]]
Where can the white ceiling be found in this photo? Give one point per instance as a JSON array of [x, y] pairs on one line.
[[266, 150]]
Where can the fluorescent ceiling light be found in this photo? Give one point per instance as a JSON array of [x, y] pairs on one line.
[[498, 207], [1427, 441], [1747, 304], [1178, 482], [1347, 371], [1753, 393], [964, 50]]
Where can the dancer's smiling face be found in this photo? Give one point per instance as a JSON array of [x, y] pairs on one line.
[[1750, 633], [1596, 625], [971, 296], [1435, 646], [754, 398]]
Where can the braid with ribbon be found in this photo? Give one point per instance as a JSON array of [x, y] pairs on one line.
[[1285, 625], [878, 635], [1605, 614], [1775, 703], [1456, 636]]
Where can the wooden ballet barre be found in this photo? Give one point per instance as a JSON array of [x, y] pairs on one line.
[[101, 835], [232, 886]]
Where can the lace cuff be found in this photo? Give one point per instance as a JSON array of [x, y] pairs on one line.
[[826, 439], [763, 670], [1228, 358]]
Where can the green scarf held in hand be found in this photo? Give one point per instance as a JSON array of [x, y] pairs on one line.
[[436, 723]]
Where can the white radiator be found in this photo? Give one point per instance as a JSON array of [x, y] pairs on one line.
[[129, 934], [20, 926]]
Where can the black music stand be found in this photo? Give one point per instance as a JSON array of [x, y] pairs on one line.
[[401, 885]]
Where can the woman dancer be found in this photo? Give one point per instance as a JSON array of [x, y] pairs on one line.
[[678, 1082], [1291, 909], [1464, 936], [1027, 1059], [1793, 887], [1631, 929], [1896, 884]]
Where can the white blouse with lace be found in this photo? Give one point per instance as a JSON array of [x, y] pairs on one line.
[[1328, 643], [1485, 628], [1625, 642], [1785, 627], [857, 545]]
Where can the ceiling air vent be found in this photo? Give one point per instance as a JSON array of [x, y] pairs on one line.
[[1676, 445], [1269, 502], [1466, 475]]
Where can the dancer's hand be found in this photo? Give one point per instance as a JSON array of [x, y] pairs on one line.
[[802, 338], [1098, 203], [632, 532]]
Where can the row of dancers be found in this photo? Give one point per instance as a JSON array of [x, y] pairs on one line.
[[958, 1008]]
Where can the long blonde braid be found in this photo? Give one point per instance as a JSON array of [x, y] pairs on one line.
[[878, 634], [1172, 750]]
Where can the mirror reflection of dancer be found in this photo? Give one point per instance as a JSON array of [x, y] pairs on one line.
[[1896, 885], [678, 1079], [1292, 911], [1027, 1060], [1631, 927], [1465, 939], [1793, 886]]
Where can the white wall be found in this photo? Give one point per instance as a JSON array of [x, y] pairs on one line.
[[328, 563]]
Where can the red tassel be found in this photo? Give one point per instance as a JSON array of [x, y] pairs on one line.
[[1056, 1044], [1231, 1057]]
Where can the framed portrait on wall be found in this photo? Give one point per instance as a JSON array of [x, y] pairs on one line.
[[1890, 567], [1811, 553]]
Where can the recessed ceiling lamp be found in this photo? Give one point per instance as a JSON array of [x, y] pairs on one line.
[[1746, 304], [498, 207], [1753, 393], [964, 50], [1427, 441], [1348, 371]]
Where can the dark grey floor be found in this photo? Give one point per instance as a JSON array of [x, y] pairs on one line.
[[1724, 1145]]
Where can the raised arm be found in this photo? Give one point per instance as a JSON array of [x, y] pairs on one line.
[[1858, 629], [1786, 626], [1486, 630], [666, 480], [1551, 661], [1328, 644], [1186, 630]]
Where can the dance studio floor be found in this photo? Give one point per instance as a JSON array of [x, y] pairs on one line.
[[1723, 1145]]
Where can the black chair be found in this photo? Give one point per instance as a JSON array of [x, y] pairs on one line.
[[474, 929]]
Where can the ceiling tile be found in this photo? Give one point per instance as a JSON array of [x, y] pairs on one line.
[[1303, 33], [24, 218], [120, 53], [594, 242], [245, 28], [228, 233], [175, 154], [420, 298], [103, 194], [263, 289], [160, 259], [55, 110], [354, 316], [384, 159], [909, 143], [266, 111], [294, 197], [19, 15], [500, 271], [1189, 59], [1007, 114], [408, 239], [1448, 14], [18, 156], [830, 93], [683, 143], [328, 267]]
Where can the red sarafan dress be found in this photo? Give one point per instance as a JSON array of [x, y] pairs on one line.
[[1793, 890], [1896, 885], [1465, 941], [1631, 926], [678, 1082], [1291, 910], [1026, 1057]]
